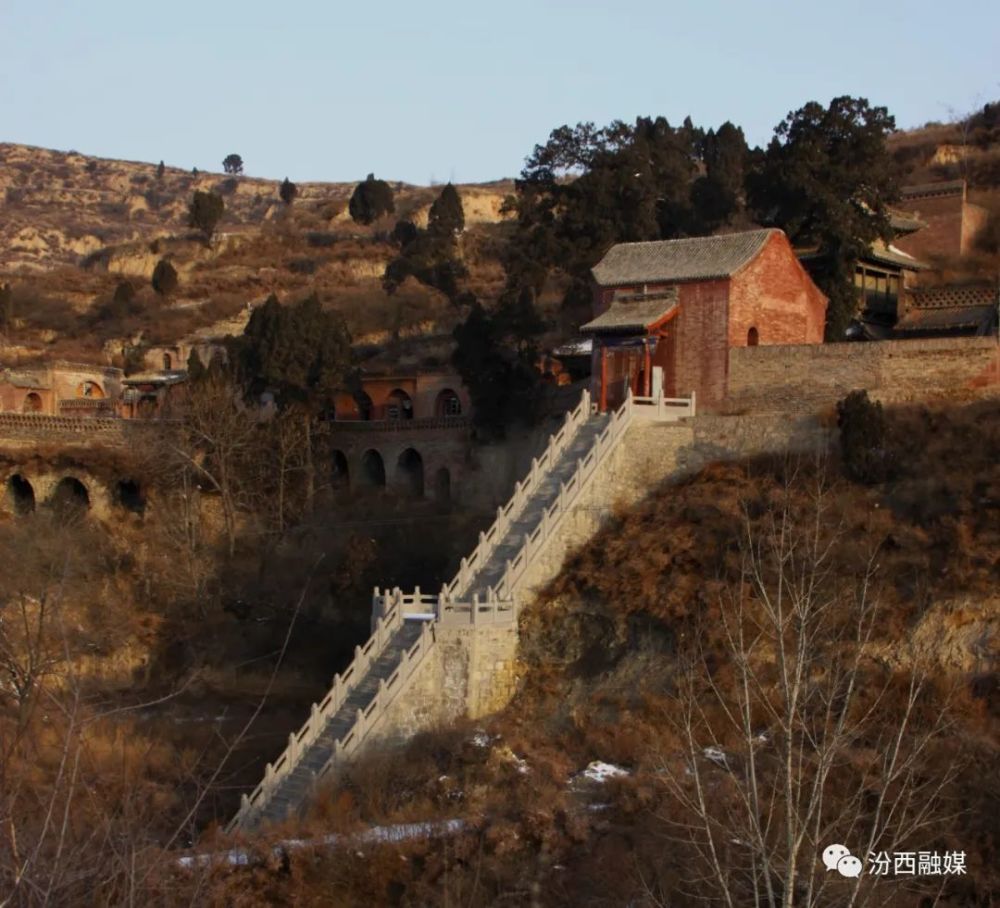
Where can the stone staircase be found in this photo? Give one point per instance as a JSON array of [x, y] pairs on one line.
[[294, 787], [490, 575], [482, 594]]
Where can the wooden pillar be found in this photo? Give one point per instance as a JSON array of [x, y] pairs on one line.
[[647, 379], [604, 379]]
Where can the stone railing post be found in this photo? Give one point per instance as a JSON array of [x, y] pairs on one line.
[[475, 608]]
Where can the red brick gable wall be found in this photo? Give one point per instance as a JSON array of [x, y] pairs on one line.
[[775, 295]]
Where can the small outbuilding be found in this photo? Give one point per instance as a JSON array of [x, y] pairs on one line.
[[682, 305]]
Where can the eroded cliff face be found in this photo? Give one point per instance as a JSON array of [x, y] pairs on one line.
[[59, 207]]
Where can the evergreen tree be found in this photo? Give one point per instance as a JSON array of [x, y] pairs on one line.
[[446, 217], [288, 191], [302, 353], [196, 370], [827, 180], [205, 212], [161, 169], [232, 163], [164, 278], [371, 200]]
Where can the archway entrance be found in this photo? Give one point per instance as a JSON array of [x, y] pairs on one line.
[[753, 337], [70, 498], [448, 403], [372, 470], [339, 474], [20, 495], [399, 405], [90, 389], [410, 473], [129, 495], [32, 403]]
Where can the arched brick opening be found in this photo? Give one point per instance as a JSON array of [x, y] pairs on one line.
[[90, 389], [70, 498], [448, 403], [168, 362], [32, 403], [442, 486], [410, 473], [130, 496], [399, 405], [372, 470], [20, 495], [753, 337], [340, 476], [364, 405]]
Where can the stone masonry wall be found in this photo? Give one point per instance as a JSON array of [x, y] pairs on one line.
[[799, 378], [467, 673]]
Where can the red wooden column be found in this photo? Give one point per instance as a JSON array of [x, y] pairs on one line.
[[647, 378], [604, 378]]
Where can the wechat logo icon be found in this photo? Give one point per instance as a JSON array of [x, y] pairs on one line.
[[839, 858]]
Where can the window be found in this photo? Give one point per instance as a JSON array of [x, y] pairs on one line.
[[753, 338]]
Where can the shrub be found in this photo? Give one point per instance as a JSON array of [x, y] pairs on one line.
[[205, 212], [164, 277], [370, 200], [863, 438]]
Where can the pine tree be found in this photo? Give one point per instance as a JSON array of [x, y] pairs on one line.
[[446, 217], [232, 163], [161, 169], [288, 191]]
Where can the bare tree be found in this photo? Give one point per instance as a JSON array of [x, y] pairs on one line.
[[216, 442], [794, 737]]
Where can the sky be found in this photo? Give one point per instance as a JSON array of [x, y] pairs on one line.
[[462, 91]]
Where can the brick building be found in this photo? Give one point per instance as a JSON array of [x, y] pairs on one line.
[[60, 389], [682, 305], [952, 222]]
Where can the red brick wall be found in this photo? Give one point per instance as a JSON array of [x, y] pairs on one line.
[[775, 295], [943, 233], [701, 340]]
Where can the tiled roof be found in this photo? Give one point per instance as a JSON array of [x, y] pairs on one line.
[[890, 255], [635, 314], [928, 190], [903, 222], [696, 259]]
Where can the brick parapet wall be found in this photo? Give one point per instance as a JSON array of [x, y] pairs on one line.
[[70, 429], [803, 377]]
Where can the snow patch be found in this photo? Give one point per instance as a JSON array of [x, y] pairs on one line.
[[600, 772]]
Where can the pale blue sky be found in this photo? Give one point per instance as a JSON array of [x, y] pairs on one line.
[[450, 90]]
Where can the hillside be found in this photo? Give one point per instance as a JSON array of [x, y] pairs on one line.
[[639, 619], [73, 227]]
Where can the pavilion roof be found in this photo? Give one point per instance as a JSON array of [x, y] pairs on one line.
[[632, 315]]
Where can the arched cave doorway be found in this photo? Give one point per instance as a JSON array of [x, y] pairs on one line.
[[32, 403], [442, 486], [399, 405], [70, 498], [129, 495], [364, 404], [340, 477], [753, 338], [168, 362], [448, 403], [21, 495], [410, 473], [372, 470], [90, 389]]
